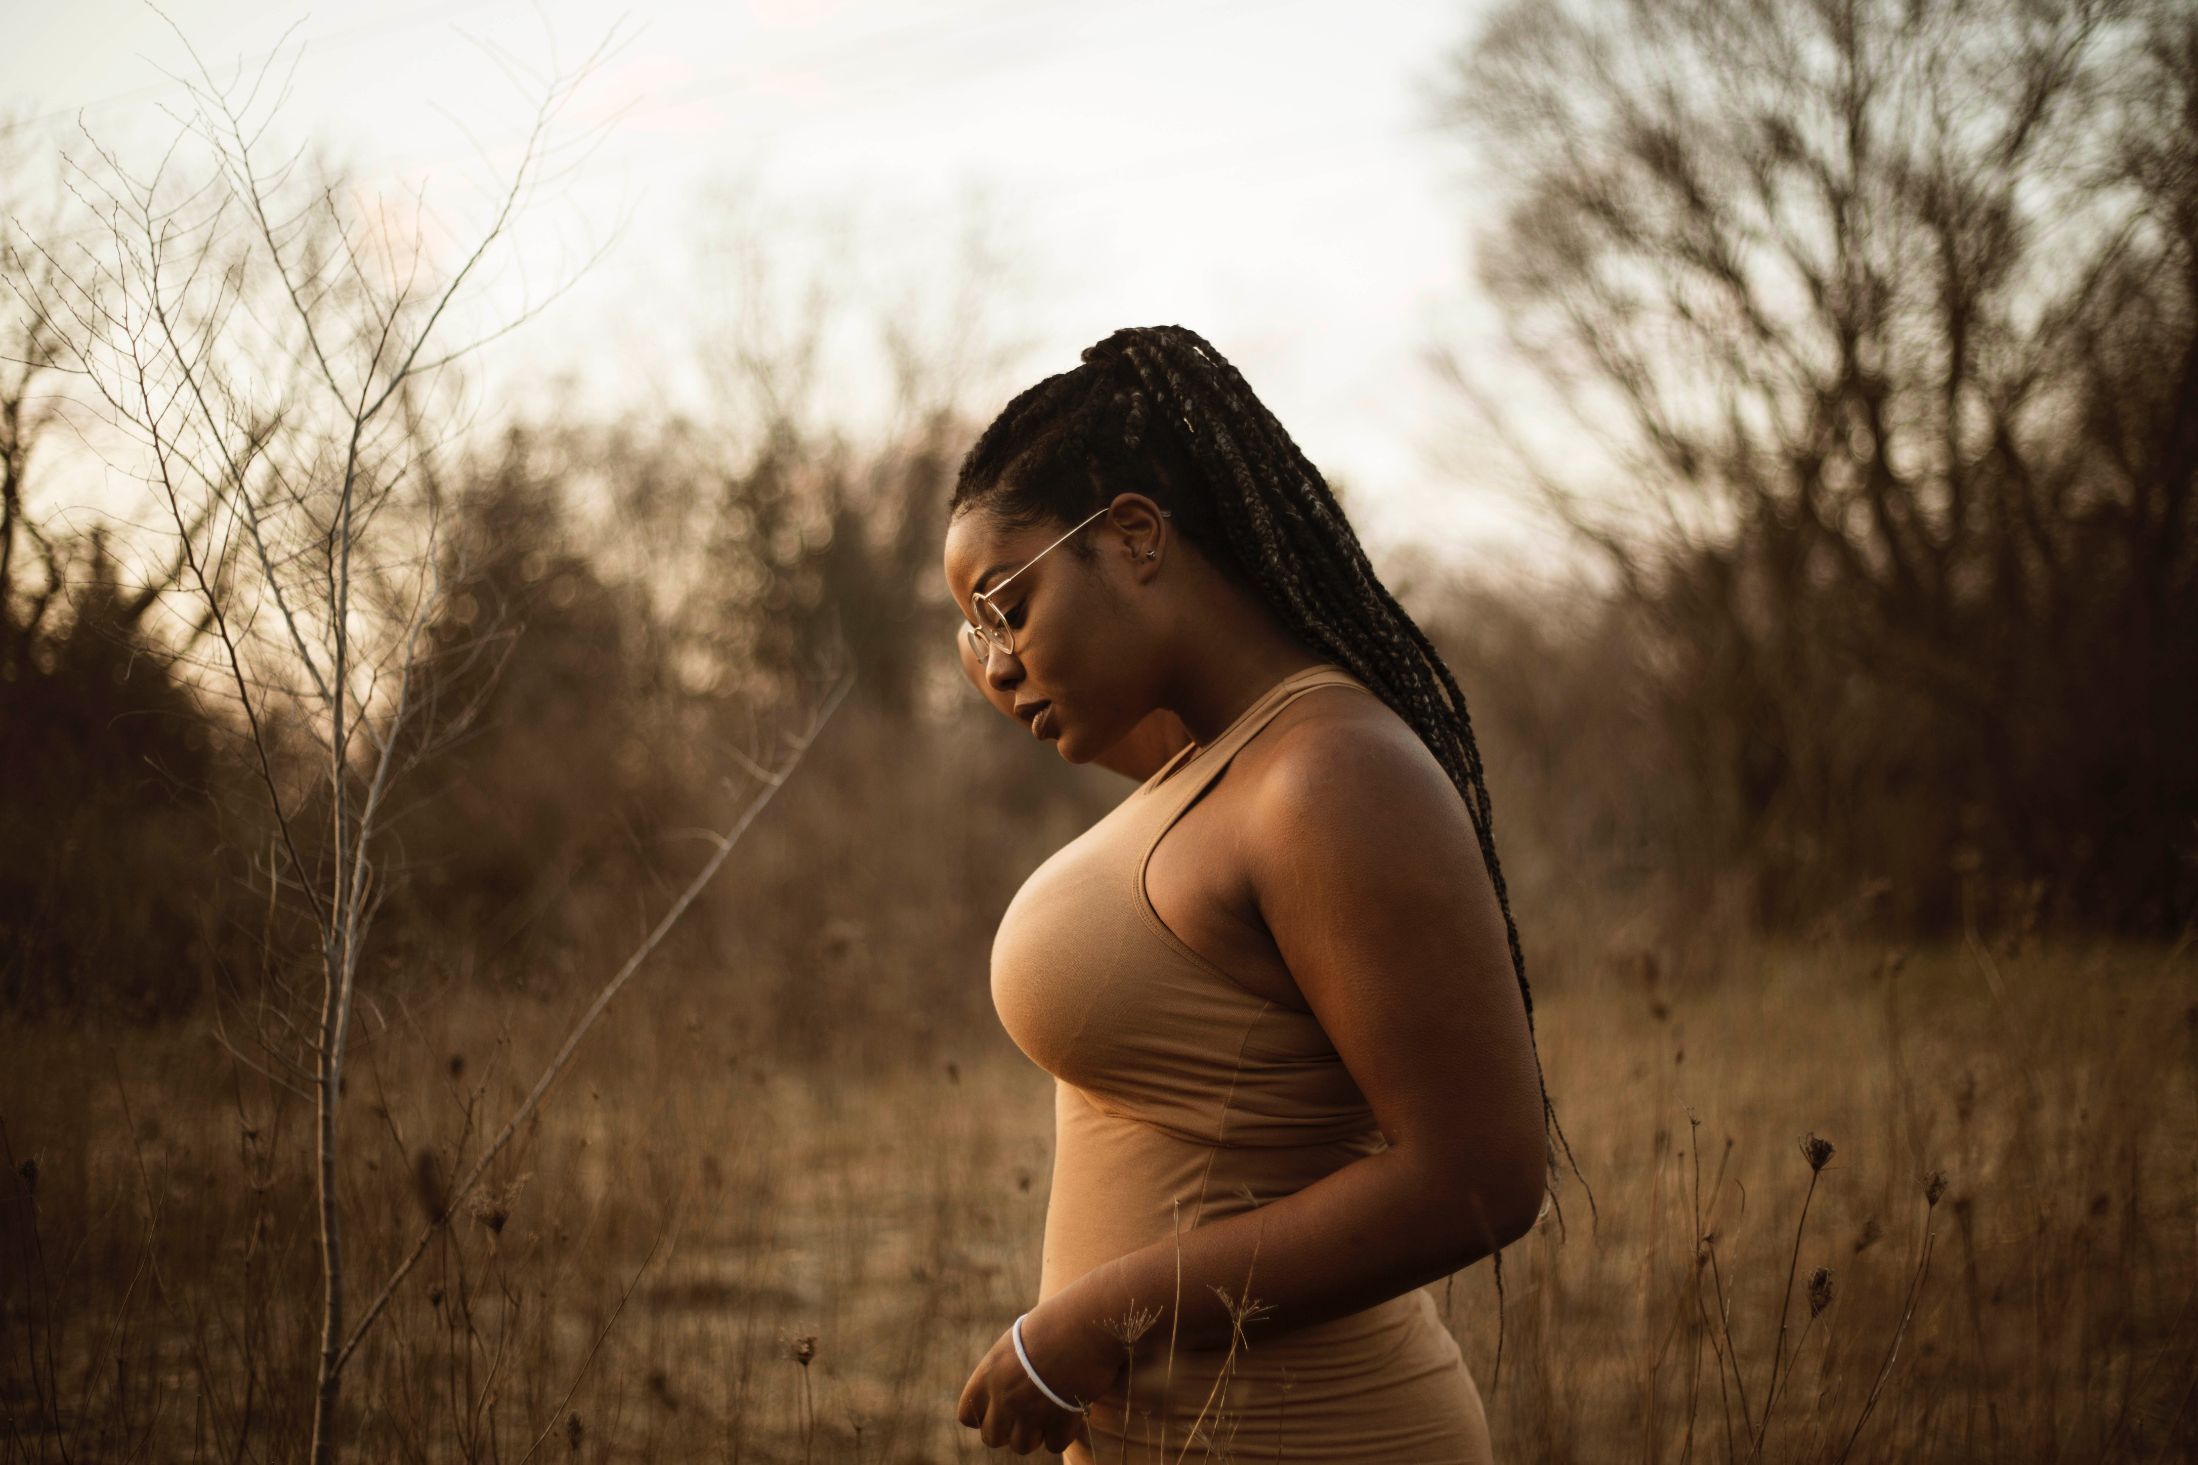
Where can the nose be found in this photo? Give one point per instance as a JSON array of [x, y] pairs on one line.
[[1001, 668]]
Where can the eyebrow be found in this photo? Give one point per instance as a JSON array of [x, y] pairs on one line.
[[978, 588]]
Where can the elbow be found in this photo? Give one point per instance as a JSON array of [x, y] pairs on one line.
[[1516, 1210], [1524, 1214], [1493, 1213]]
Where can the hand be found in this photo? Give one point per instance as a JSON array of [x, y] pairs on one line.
[[1006, 1408]]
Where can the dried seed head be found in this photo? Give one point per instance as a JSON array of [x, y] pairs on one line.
[[1934, 1186], [29, 1171], [492, 1208], [803, 1349], [1243, 1312], [427, 1184], [1872, 1229], [573, 1432], [1132, 1325], [1820, 1290], [1816, 1150]]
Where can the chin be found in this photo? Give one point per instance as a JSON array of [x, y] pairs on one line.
[[1069, 748]]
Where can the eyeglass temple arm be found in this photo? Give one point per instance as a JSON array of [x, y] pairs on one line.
[[1049, 550], [1041, 554]]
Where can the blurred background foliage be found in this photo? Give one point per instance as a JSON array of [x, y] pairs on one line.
[[1902, 628]]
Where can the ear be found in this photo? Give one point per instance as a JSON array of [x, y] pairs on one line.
[[1141, 532]]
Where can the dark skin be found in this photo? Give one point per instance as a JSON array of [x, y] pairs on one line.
[[1137, 756], [1331, 867]]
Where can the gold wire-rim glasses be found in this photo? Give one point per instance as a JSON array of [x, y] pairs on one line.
[[991, 622]]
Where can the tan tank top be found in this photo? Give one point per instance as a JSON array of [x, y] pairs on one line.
[[1181, 1097], [1096, 989]]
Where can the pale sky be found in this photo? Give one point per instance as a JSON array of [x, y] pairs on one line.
[[1261, 172]]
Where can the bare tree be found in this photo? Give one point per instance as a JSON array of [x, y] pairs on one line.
[[840, 380], [280, 361], [87, 639], [26, 359], [1886, 316], [31, 383]]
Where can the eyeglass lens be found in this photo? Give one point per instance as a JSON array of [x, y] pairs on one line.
[[992, 622]]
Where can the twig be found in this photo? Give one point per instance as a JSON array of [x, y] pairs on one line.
[[1892, 1351], [587, 1020]]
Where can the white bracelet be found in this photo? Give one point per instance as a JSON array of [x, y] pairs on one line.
[[1017, 1332]]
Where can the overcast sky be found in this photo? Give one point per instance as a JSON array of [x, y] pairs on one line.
[[1264, 173]]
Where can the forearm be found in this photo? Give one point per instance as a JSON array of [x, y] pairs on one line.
[[1372, 1230]]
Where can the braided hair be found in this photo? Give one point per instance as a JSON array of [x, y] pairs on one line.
[[1158, 405]]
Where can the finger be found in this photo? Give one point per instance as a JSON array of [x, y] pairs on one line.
[[1060, 1431], [967, 1412], [994, 1430], [1025, 1437]]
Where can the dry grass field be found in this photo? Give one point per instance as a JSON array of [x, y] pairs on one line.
[[1818, 536], [701, 1252], [1848, 355]]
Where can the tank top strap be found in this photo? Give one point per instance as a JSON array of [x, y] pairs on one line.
[[1178, 785], [1179, 780]]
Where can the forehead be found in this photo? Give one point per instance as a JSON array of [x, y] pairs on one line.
[[978, 543]]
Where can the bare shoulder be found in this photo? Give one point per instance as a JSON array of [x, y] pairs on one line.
[[1339, 756], [1347, 796]]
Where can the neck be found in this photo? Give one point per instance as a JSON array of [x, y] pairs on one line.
[[1238, 658]]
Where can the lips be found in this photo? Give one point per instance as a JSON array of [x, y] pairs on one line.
[[1041, 722]]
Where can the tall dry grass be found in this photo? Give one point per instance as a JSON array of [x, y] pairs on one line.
[[707, 1251]]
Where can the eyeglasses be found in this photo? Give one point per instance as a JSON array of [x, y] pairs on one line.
[[991, 622]]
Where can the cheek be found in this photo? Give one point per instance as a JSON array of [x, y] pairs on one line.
[[1094, 690], [1073, 647], [1081, 649]]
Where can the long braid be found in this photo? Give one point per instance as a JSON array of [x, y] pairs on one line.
[[1243, 491]]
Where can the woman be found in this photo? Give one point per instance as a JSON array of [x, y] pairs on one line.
[[1279, 986]]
